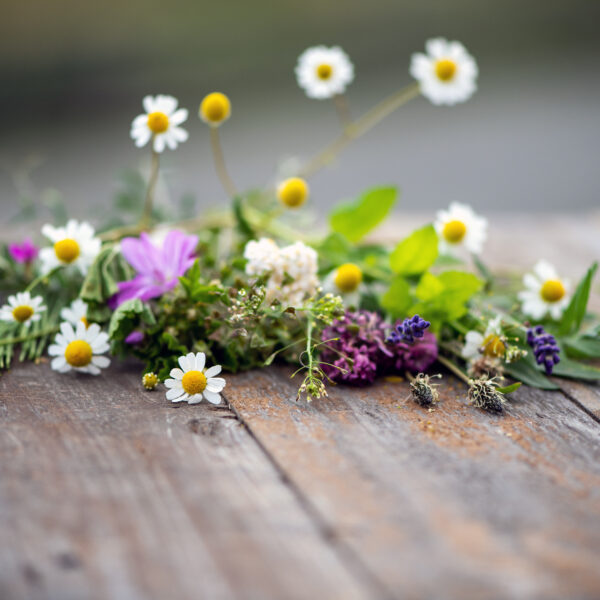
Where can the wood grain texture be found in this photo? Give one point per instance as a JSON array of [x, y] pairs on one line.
[[452, 503], [108, 491]]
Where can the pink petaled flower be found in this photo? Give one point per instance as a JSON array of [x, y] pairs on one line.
[[158, 268], [25, 252], [416, 357]]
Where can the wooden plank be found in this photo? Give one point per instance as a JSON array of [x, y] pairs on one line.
[[586, 395], [108, 491], [452, 503]]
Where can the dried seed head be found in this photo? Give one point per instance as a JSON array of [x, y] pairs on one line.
[[486, 366], [483, 394], [422, 391]]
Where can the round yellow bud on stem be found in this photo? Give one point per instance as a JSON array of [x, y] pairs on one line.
[[293, 192], [215, 108]]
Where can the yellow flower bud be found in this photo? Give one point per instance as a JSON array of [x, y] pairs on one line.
[[215, 108], [293, 192]]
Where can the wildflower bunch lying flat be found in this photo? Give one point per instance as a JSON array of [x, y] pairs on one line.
[[243, 287]]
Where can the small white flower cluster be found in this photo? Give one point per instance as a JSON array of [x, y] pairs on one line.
[[292, 270]]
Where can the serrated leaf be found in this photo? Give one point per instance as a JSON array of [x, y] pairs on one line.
[[128, 316], [416, 253], [575, 312], [103, 275], [355, 219]]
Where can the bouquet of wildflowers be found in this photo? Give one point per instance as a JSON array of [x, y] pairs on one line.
[[240, 288]]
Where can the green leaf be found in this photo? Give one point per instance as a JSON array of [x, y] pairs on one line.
[[242, 223], [396, 301], [101, 280], [127, 317], [509, 388], [583, 346], [416, 253], [526, 371], [355, 219], [429, 287], [575, 370], [573, 316]]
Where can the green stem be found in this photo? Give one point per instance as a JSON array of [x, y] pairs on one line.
[[30, 336], [222, 173], [343, 110], [41, 278], [452, 367], [309, 330], [146, 219], [359, 127]]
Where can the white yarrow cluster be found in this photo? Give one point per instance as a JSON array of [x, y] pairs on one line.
[[292, 270]]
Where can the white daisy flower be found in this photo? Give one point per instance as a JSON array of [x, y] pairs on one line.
[[489, 343], [545, 292], [447, 74], [193, 382], [324, 72], [160, 122], [460, 227], [22, 308], [345, 281], [79, 349], [75, 313], [74, 244]]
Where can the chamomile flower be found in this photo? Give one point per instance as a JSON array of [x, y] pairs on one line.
[[447, 74], [489, 344], [345, 281], [324, 72], [161, 123], [215, 109], [192, 381], [79, 349], [74, 244], [75, 313], [545, 292], [22, 308], [460, 227]]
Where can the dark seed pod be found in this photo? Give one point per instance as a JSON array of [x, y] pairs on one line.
[[483, 394], [423, 392]]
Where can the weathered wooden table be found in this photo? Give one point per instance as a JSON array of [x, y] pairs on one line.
[[109, 491]]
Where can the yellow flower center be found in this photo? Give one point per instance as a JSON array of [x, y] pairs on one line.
[[293, 192], [454, 231], [158, 122], [552, 290], [22, 313], [493, 345], [194, 382], [150, 380], [445, 69], [215, 108], [66, 250], [324, 71], [348, 277], [78, 353]]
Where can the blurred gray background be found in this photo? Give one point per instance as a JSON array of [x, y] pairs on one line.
[[73, 74]]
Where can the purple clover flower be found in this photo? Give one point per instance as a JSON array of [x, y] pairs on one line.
[[24, 253], [416, 357], [158, 268], [408, 330], [362, 339], [544, 347]]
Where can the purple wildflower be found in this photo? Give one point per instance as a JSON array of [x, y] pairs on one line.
[[158, 268], [25, 252], [361, 338], [416, 357], [135, 337], [544, 347], [408, 330]]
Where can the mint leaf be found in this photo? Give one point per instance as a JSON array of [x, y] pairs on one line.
[[355, 219], [416, 253]]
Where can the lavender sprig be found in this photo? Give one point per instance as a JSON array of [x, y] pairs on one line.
[[408, 330], [544, 347]]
